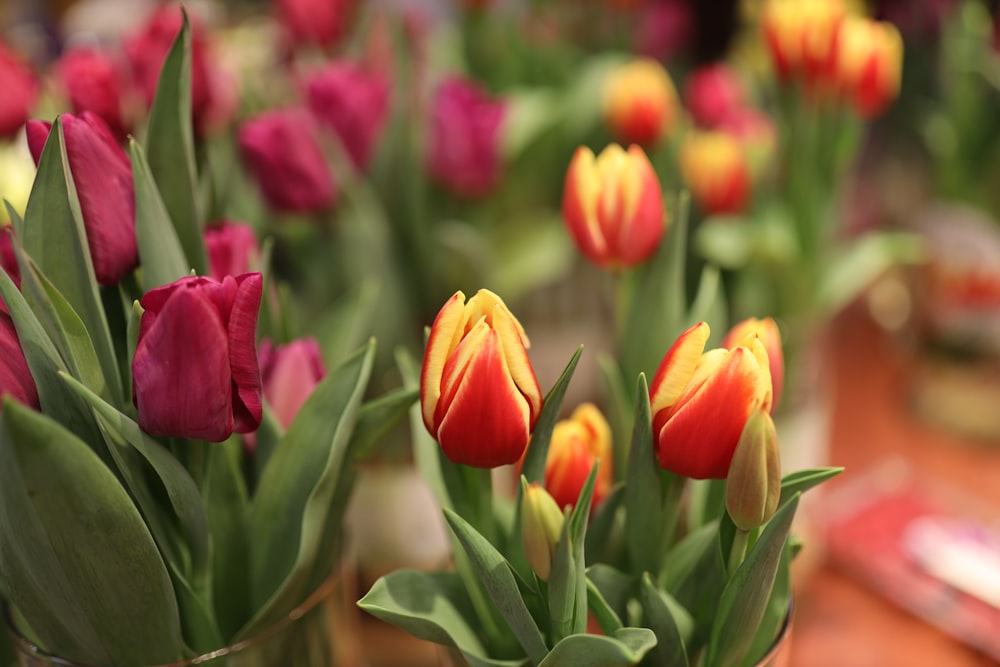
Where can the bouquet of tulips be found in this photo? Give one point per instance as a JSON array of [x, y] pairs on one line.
[[159, 499]]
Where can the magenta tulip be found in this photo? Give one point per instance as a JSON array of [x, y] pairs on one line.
[[15, 377], [712, 93], [8, 260], [353, 103], [102, 174], [282, 151], [195, 372], [232, 248], [290, 373], [18, 92], [313, 22], [95, 81]]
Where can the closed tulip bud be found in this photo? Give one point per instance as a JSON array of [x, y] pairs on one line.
[[478, 392], [464, 144], [801, 36], [701, 401], [317, 23], [282, 151], [102, 175], [765, 330], [94, 81], [716, 169], [195, 372], [541, 527], [232, 248], [352, 102], [15, 377], [753, 486], [289, 373], [613, 206], [577, 444], [869, 64], [640, 103], [19, 87], [712, 93]]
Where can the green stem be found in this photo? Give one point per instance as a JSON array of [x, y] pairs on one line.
[[673, 490], [739, 549]]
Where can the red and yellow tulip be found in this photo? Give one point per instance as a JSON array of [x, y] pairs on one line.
[[869, 64], [640, 102], [716, 168], [577, 444], [766, 330]]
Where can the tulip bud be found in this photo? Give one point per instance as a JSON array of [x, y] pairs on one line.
[[15, 376], [753, 486], [195, 372], [353, 103], [801, 36], [541, 527], [577, 444], [19, 87], [766, 330], [478, 392], [716, 169], [94, 82], [701, 400], [319, 23], [282, 151], [464, 149], [640, 103], [102, 175], [869, 64], [232, 248], [612, 206], [712, 93], [289, 374]]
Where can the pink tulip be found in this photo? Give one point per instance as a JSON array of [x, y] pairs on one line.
[[195, 372], [95, 82], [314, 22], [102, 174], [232, 248], [15, 377], [282, 151], [353, 103], [8, 260], [465, 138], [713, 93], [18, 92], [290, 373]]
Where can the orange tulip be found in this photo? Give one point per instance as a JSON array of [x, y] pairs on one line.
[[716, 168], [612, 205], [701, 401], [869, 64], [766, 330], [577, 443], [640, 102], [478, 392]]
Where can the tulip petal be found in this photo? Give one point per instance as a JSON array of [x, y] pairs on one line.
[[436, 355], [242, 330], [188, 340], [678, 366], [516, 356]]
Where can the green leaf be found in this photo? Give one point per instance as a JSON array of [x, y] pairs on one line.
[[669, 621], [707, 501], [170, 149], [538, 447], [725, 241], [160, 250], [746, 595], [568, 579], [498, 579], [801, 481], [709, 303], [601, 542], [296, 507], [619, 412], [55, 239], [607, 619], [643, 497], [16, 221], [615, 587], [694, 572], [625, 647], [778, 612], [80, 562], [865, 260], [377, 418]]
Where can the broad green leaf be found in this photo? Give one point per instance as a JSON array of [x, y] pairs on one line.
[[80, 562], [55, 239], [706, 501], [694, 573], [376, 418], [607, 619], [602, 542], [160, 252], [725, 241], [625, 647], [265, 441], [669, 621], [498, 578], [616, 587], [170, 149], [778, 612], [295, 507], [538, 447], [566, 572], [16, 221], [709, 303], [801, 481], [643, 497], [747, 592]]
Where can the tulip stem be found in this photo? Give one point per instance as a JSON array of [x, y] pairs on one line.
[[739, 549]]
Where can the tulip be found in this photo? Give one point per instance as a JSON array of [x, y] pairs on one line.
[[314, 22], [353, 103], [801, 36], [541, 528], [8, 260], [640, 103], [753, 485], [195, 373], [665, 30], [94, 82], [464, 144], [758, 134], [102, 175], [15, 376], [701, 401], [19, 87], [478, 392], [232, 248], [716, 169], [712, 93], [613, 206], [289, 373], [766, 330], [577, 444], [282, 151], [869, 64]]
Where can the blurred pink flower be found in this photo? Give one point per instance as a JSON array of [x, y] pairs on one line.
[[232, 248], [289, 373], [15, 377], [313, 22], [665, 31], [18, 92], [94, 80], [8, 261], [712, 93]]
